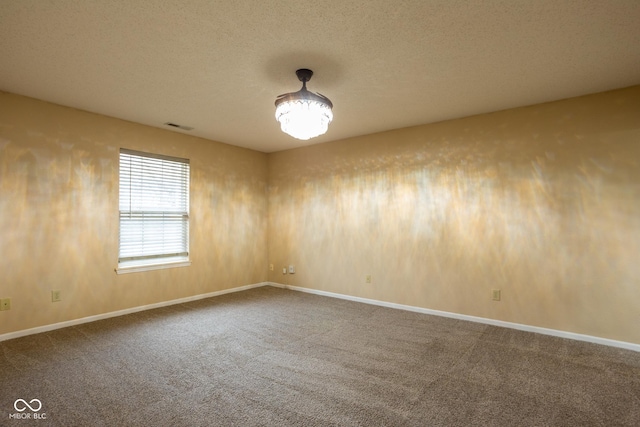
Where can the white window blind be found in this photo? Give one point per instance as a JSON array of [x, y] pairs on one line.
[[154, 209]]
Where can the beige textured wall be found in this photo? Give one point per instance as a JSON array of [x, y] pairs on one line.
[[59, 214], [541, 202]]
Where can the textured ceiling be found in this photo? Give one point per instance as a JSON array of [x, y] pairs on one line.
[[217, 66]]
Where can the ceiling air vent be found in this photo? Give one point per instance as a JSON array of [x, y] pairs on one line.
[[173, 125]]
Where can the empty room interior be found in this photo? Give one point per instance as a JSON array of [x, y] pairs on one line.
[[459, 246]]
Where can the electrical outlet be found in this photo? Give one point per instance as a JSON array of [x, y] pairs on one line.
[[495, 294], [5, 304], [56, 296], [270, 267], [367, 279], [284, 270], [292, 269]]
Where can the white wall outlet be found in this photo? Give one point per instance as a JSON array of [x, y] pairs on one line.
[[56, 296], [292, 269], [495, 294], [284, 270]]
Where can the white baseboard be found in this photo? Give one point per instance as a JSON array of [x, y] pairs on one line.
[[74, 322], [518, 326]]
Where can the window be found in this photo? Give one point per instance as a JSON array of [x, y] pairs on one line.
[[154, 211]]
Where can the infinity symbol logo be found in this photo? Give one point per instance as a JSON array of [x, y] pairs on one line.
[[26, 405]]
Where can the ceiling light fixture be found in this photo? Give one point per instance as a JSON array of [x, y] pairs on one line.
[[303, 114]]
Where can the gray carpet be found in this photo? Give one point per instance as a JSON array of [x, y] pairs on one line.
[[272, 357]]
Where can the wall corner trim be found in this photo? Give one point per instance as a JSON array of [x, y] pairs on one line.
[[500, 323]]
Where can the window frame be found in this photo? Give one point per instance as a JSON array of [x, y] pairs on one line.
[[142, 261]]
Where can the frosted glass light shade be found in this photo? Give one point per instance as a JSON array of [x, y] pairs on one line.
[[304, 118], [303, 114]]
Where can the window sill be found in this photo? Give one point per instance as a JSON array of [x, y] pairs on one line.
[[139, 267]]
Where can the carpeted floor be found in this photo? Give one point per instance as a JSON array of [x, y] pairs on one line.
[[273, 357]]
